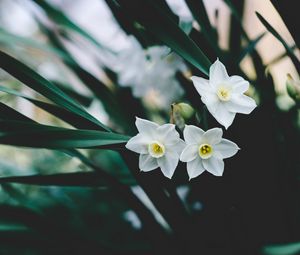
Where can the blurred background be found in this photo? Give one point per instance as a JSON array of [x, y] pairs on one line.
[[255, 206]]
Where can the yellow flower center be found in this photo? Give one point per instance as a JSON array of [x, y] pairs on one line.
[[205, 151], [156, 149], [224, 93]]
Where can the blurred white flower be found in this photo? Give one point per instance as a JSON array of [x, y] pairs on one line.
[[128, 63], [148, 71], [224, 95], [158, 146], [206, 150]]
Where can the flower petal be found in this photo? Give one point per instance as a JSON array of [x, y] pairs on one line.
[[212, 103], [192, 134], [168, 164], [222, 115], [147, 163], [167, 134], [213, 136], [241, 104], [176, 148], [202, 85], [217, 73], [210, 100], [195, 168], [145, 126], [226, 148], [189, 153], [138, 143], [238, 84], [214, 165]]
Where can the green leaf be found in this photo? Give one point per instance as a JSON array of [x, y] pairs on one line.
[[198, 10], [288, 49], [17, 125], [289, 12], [263, 84], [65, 115], [34, 135], [61, 19], [83, 179], [120, 115], [280, 57], [164, 28], [12, 227], [186, 27], [33, 80], [11, 39], [250, 47], [7, 113], [13, 121], [233, 9], [284, 249], [66, 88]]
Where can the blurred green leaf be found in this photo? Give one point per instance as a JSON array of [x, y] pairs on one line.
[[84, 100], [186, 26], [288, 49], [233, 9], [82, 179], [61, 19], [257, 60], [33, 80], [7, 113], [250, 47], [107, 96], [284, 249], [289, 11], [280, 57], [11, 39], [235, 30], [14, 118], [65, 115], [41, 136], [164, 28], [12, 227], [199, 13]]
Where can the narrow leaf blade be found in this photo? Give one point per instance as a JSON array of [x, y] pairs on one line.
[[164, 28], [33, 80]]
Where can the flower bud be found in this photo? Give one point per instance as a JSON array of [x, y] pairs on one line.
[[181, 113], [186, 110], [293, 88]]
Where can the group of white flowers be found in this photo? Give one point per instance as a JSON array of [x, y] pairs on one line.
[[150, 73], [161, 146]]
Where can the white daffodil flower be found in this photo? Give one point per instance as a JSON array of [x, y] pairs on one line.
[[158, 146], [224, 95], [206, 150], [150, 72]]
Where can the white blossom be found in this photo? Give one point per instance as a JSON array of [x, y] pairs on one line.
[[224, 95], [150, 71], [158, 146], [206, 150]]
